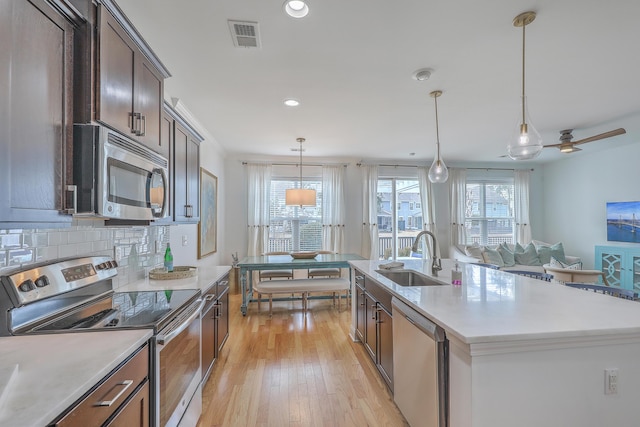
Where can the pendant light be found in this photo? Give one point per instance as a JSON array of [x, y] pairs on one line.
[[527, 143], [438, 171], [300, 196]]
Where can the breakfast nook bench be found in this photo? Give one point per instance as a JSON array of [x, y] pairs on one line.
[[301, 286]]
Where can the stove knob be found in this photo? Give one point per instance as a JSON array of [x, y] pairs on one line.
[[101, 266], [114, 264], [42, 281], [27, 286]]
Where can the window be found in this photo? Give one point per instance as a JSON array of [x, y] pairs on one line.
[[292, 228], [489, 211], [397, 228]]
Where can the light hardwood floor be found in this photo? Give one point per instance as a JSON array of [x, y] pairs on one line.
[[295, 370]]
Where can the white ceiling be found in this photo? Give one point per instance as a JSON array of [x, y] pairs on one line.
[[350, 63]]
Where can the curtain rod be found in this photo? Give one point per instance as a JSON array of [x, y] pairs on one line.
[[294, 164], [416, 166]]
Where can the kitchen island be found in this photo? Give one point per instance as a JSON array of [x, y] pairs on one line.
[[527, 352]]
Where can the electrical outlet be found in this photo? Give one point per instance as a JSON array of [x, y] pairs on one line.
[[610, 381], [184, 241]]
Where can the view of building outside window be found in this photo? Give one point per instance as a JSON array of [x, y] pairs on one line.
[[489, 212], [397, 228], [294, 228]]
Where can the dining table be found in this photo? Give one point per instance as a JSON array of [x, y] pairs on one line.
[[285, 262]]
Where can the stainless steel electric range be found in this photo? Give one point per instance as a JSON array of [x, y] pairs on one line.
[[76, 295]]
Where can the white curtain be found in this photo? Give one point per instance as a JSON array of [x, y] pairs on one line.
[[258, 193], [521, 195], [333, 211], [457, 196], [370, 212], [428, 210]]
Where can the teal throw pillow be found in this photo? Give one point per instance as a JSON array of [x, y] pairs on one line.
[[506, 254], [546, 252], [492, 256], [560, 264], [528, 256]]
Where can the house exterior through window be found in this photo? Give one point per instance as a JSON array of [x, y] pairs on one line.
[[490, 211], [398, 227], [294, 228]]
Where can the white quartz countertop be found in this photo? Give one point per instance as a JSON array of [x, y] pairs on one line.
[[493, 306], [205, 277], [55, 370]]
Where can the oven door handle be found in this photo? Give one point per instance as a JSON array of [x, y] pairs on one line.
[[166, 338]]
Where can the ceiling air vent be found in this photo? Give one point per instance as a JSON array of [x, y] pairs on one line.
[[244, 33]]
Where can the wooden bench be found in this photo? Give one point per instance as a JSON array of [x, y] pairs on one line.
[[301, 286]]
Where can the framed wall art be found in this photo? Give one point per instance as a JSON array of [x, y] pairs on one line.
[[208, 225]]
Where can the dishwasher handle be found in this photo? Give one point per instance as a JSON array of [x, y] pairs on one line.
[[418, 320]]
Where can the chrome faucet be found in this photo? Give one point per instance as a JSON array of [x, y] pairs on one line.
[[435, 264]]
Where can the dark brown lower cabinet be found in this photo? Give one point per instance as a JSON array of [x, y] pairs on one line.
[[135, 412], [215, 324], [374, 324], [124, 396]]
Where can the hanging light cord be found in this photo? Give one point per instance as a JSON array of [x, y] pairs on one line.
[[435, 100], [523, 44], [300, 141]]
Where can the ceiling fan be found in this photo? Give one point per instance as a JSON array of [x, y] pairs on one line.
[[567, 146]]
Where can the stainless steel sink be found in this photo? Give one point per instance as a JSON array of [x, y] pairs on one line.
[[408, 278]]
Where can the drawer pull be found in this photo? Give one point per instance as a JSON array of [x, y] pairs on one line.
[[126, 384]]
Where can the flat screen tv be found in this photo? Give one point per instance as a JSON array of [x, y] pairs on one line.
[[623, 222]]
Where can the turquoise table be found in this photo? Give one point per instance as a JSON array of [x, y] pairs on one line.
[[285, 262]]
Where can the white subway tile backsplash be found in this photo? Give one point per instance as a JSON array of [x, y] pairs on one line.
[[85, 237], [100, 245], [84, 249], [66, 251], [49, 253]]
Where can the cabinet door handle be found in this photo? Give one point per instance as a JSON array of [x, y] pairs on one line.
[[126, 384], [73, 190], [135, 123], [375, 311], [143, 120], [218, 310]]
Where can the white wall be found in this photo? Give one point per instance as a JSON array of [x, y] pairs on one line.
[[576, 191]]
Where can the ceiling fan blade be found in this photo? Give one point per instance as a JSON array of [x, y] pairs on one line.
[[609, 134]]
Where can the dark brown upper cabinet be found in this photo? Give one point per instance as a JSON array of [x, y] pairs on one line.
[[36, 75], [130, 80], [185, 166]]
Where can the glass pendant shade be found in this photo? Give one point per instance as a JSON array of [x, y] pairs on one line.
[[300, 197], [438, 171], [526, 143]]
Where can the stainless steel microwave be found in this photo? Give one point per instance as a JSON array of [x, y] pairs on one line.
[[116, 177]]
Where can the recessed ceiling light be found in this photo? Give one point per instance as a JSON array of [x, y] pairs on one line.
[[296, 8], [291, 102]]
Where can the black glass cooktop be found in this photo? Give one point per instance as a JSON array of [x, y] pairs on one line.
[[144, 309]]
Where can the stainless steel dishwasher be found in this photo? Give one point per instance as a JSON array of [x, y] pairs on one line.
[[420, 368]]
